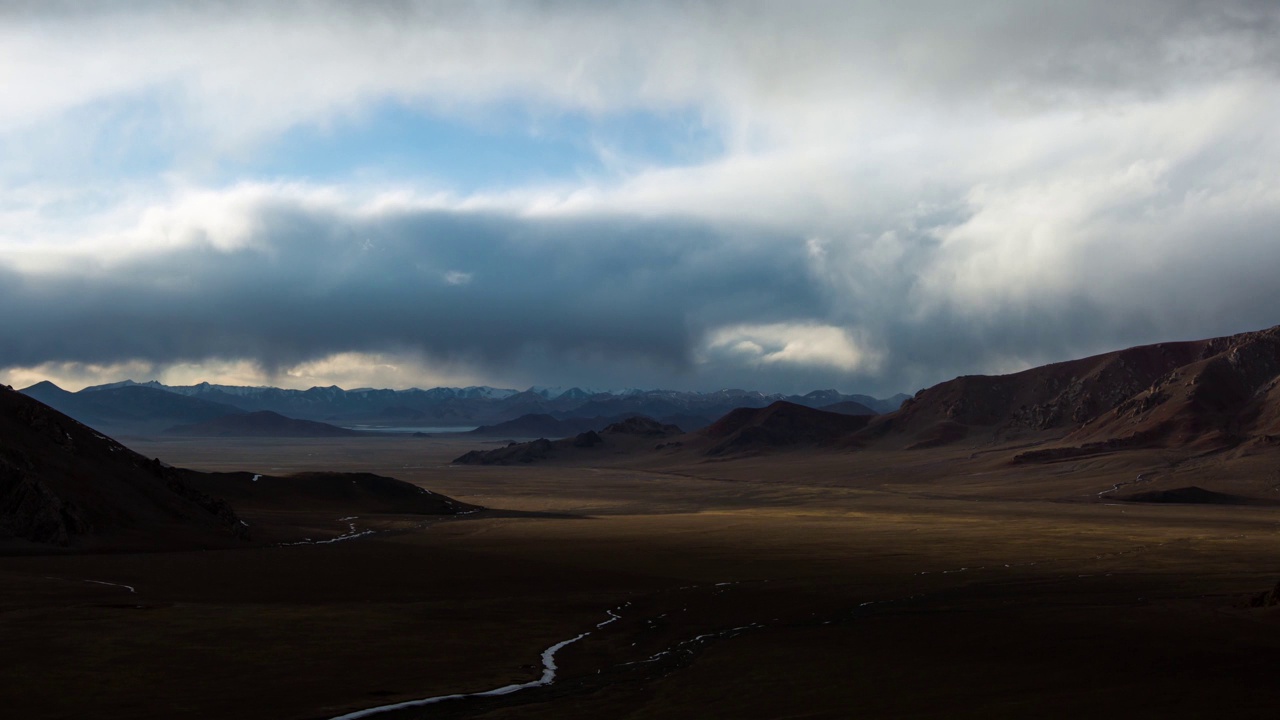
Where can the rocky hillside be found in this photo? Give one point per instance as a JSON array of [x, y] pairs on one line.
[[63, 483], [1203, 394]]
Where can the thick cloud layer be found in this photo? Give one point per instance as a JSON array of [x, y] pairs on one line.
[[305, 280], [898, 195]]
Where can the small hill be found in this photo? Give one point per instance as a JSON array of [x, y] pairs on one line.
[[1193, 495], [535, 425], [640, 426], [518, 453], [263, 423], [64, 484], [782, 424], [540, 425], [619, 438]]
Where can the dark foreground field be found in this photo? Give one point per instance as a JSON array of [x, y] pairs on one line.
[[875, 585]]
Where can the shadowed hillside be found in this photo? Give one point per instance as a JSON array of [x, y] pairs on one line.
[[780, 425], [1192, 495], [63, 483]]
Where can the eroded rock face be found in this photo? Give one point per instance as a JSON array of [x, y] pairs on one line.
[[30, 511]]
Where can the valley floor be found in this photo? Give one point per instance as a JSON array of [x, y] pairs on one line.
[[784, 587]]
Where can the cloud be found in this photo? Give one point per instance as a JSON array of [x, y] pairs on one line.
[[318, 279], [901, 194], [238, 70], [805, 345]]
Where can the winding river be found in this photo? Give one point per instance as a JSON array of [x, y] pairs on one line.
[[548, 677]]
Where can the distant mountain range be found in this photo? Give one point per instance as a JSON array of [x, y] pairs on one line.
[[1199, 397], [152, 408]]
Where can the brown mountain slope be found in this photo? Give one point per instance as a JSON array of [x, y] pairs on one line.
[[1206, 394], [1227, 397], [62, 483]]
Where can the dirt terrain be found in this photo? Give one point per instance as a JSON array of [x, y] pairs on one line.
[[946, 582]]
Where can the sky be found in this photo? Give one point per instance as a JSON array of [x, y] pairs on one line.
[[866, 196]]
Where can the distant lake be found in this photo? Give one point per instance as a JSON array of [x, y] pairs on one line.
[[410, 429]]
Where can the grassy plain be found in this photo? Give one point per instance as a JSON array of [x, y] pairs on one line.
[[941, 583]]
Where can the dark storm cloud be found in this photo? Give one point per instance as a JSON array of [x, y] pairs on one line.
[[607, 300], [467, 286]]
